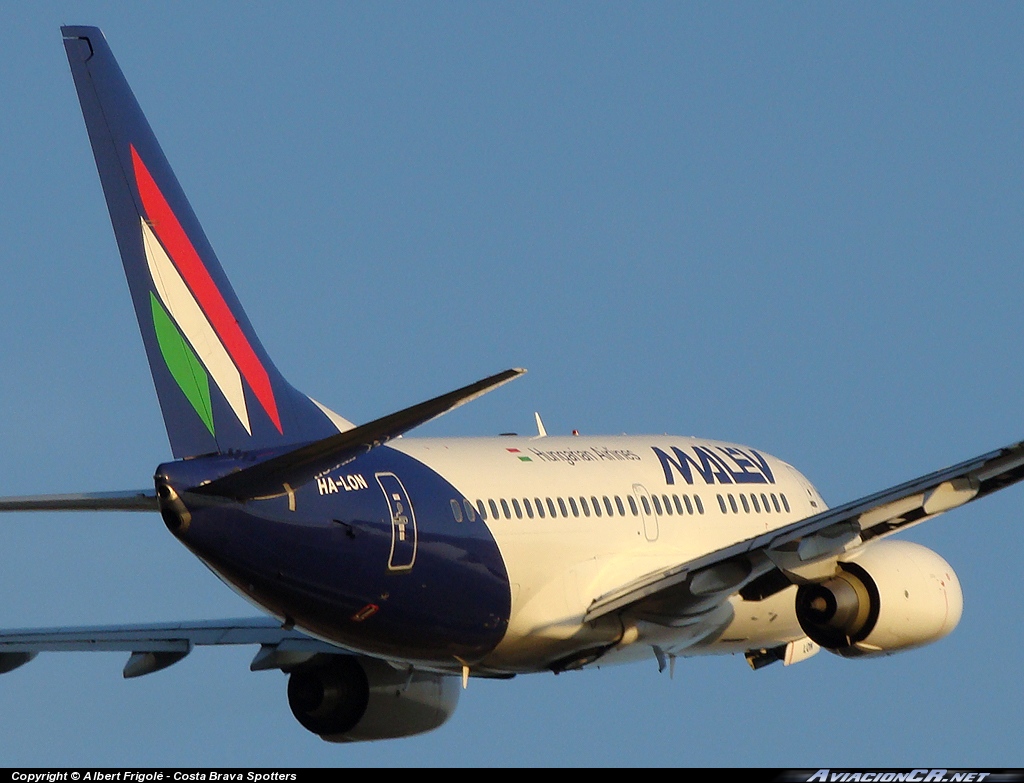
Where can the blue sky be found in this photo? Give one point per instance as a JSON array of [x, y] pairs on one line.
[[797, 226]]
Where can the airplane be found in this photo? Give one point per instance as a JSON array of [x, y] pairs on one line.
[[393, 569]]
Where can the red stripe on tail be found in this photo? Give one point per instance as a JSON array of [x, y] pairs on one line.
[[192, 269]]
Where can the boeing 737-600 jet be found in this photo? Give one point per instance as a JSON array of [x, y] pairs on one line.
[[391, 570]]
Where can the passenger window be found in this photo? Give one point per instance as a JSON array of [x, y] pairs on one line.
[[647, 505], [504, 509], [700, 505], [572, 505], [528, 507], [596, 505], [775, 502], [721, 502], [608, 506], [481, 510], [689, 507], [764, 502], [585, 507], [757, 506], [456, 510], [551, 508], [732, 504], [517, 508], [494, 509], [561, 505], [470, 513], [620, 507], [657, 504], [785, 502], [540, 507], [632, 505]]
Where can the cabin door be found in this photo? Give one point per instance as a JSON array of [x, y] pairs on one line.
[[647, 515], [403, 522]]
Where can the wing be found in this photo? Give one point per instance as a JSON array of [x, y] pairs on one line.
[[763, 564], [156, 646]]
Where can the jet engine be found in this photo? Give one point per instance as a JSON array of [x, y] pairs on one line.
[[888, 596], [352, 699]]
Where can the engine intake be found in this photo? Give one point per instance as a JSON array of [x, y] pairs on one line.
[[890, 596], [352, 699]]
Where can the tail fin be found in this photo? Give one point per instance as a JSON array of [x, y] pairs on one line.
[[217, 387]]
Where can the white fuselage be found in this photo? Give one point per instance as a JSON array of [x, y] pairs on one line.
[[672, 499]]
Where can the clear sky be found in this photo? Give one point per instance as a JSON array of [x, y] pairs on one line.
[[797, 226]]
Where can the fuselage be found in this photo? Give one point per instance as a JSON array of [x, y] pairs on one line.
[[488, 551]]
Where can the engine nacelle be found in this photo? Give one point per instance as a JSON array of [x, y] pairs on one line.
[[889, 596], [352, 699]]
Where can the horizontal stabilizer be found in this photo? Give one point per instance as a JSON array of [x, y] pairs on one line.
[[279, 475], [129, 500], [155, 638]]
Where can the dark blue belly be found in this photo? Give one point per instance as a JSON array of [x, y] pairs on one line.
[[372, 557]]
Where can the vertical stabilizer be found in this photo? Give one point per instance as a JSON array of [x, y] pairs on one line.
[[217, 387]]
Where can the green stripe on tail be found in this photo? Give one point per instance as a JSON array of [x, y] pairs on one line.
[[183, 363]]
